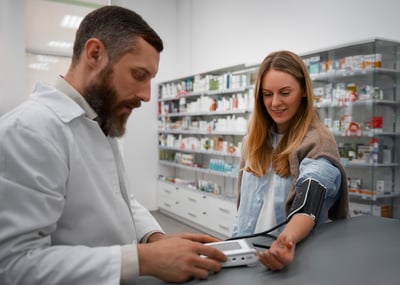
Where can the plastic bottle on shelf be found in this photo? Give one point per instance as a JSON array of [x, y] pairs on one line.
[[235, 102], [182, 105]]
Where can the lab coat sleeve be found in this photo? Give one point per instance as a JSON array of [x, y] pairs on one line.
[[33, 174], [144, 221]]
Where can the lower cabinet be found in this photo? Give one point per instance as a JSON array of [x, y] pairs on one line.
[[203, 211]]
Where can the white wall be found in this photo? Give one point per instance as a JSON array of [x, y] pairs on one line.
[[228, 32], [140, 142], [12, 54]]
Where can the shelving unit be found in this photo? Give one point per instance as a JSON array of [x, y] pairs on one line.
[[357, 95], [203, 118]]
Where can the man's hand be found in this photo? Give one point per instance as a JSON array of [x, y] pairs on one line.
[[178, 258], [203, 238]]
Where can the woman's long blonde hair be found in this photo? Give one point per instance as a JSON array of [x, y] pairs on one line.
[[258, 149]]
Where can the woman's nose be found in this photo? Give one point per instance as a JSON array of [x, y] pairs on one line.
[[275, 100]]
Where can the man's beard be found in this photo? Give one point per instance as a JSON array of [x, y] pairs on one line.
[[103, 98]]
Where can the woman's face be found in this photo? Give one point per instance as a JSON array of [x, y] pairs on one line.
[[281, 96]]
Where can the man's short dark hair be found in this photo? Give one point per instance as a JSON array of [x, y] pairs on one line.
[[117, 28]]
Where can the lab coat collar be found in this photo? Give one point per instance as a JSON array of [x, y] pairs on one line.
[[62, 85], [62, 105]]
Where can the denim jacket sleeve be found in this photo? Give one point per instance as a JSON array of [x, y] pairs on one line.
[[327, 174]]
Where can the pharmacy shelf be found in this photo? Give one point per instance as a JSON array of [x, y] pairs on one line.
[[211, 113], [208, 152], [337, 74], [190, 95], [197, 169], [204, 133]]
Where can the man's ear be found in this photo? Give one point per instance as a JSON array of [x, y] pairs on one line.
[[95, 52]]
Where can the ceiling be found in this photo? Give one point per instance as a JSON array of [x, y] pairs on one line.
[[43, 20]]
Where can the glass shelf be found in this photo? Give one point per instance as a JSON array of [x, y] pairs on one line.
[[194, 190], [204, 93], [337, 74], [211, 113], [197, 132], [197, 169], [209, 152], [364, 164], [361, 103], [372, 196], [366, 134]]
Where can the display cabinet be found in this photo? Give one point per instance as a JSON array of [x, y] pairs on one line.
[[203, 118], [357, 95], [201, 123], [201, 210]]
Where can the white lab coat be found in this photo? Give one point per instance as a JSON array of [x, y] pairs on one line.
[[64, 196]]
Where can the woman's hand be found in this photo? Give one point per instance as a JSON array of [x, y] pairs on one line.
[[280, 254], [282, 250]]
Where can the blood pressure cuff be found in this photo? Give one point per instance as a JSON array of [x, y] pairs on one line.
[[309, 199]]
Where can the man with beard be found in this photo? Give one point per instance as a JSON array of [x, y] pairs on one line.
[[67, 215]]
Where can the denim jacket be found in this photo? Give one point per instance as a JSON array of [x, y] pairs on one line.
[[316, 157], [253, 187]]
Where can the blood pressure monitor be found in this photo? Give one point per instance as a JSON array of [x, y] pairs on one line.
[[238, 252]]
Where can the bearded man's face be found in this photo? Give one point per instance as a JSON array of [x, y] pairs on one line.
[[107, 103]]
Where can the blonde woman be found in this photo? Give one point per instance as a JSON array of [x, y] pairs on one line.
[[285, 148]]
